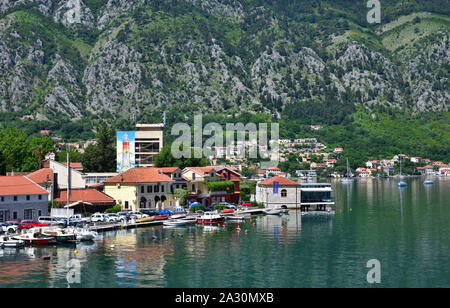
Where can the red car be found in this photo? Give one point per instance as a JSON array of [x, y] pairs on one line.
[[16, 223], [31, 224], [246, 203]]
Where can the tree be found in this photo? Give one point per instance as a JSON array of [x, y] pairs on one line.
[[166, 159], [101, 157], [181, 194]]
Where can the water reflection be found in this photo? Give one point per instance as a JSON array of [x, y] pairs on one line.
[[406, 229]]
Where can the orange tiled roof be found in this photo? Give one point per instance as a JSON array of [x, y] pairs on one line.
[[281, 180], [75, 165], [19, 185], [140, 175], [40, 176], [85, 195]]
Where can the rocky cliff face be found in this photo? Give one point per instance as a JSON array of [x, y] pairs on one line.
[[75, 57]]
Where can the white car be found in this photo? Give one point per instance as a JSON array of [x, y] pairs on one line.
[[98, 217], [8, 228], [112, 218]]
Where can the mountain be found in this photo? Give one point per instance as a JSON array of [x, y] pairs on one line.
[[85, 60]]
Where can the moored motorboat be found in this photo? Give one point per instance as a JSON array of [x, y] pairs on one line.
[[210, 218], [60, 235], [178, 216], [85, 235], [428, 182], [178, 222], [35, 237], [273, 211], [7, 242]]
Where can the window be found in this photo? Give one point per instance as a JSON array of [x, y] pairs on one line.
[[15, 198], [149, 189], [14, 215], [40, 197], [283, 193], [28, 214], [156, 188], [193, 176], [162, 188], [142, 189], [126, 204], [2, 199], [28, 197], [39, 213]]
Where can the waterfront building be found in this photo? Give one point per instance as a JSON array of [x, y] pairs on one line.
[[197, 177], [21, 198], [281, 192], [139, 188], [444, 170]]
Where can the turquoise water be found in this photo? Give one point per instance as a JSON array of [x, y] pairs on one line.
[[407, 230]]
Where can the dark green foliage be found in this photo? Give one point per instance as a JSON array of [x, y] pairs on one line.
[[101, 157]]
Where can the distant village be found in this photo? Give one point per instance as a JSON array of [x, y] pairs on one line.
[[58, 185]]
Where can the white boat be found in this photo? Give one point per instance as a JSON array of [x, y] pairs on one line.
[[84, 234], [239, 217], [210, 218], [7, 242], [428, 182], [178, 222], [178, 216], [401, 183], [273, 211], [347, 178]]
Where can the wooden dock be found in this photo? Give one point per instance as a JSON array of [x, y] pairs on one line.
[[120, 226]]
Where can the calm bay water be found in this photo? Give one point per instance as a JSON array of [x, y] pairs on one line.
[[407, 230]]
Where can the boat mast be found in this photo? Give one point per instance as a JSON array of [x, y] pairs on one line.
[[68, 183]]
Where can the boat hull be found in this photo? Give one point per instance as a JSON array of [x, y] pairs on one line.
[[207, 221]]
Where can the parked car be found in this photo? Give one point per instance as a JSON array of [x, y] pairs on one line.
[[246, 203], [51, 221], [16, 223], [98, 217], [32, 224], [6, 227], [138, 215], [149, 212], [113, 217], [228, 205], [78, 219]]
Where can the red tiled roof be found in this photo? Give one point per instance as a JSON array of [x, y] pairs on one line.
[[140, 175], [84, 195], [75, 165], [40, 176], [19, 185], [281, 180]]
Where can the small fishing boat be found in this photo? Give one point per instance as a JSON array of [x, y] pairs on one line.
[[178, 222], [35, 237], [402, 184], [428, 182], [85, 235], [7, 242], [210, 218], [60, 235], [273, 211], [146, 219], [241, 217], [178, 216]]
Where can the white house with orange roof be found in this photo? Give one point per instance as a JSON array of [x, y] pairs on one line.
[[21, 198]]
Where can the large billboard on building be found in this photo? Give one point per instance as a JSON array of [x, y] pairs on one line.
[[126, 158]]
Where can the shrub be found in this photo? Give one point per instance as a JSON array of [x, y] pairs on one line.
[[219, 207], [227, 186], [115, 209], [196, 208]]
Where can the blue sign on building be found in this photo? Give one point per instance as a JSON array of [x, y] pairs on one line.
[[275, 187]]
